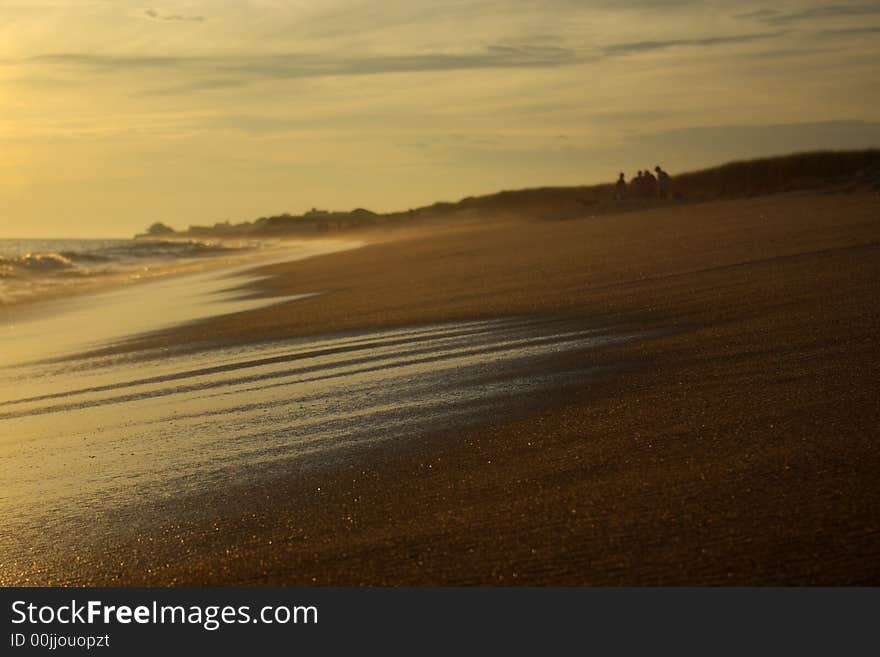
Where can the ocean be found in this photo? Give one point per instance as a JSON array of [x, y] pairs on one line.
[[34, 268]]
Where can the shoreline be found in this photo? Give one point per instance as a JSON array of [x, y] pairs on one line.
[[189, 293], [124, 279], [733, 448]]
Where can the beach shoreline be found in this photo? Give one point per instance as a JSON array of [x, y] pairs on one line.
[[256, 253], [734, 445], [110, 310]]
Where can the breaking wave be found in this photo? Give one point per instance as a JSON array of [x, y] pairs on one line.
[[28, 267], [34, 263]]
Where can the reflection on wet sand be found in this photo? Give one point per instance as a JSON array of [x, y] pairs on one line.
[[102, 434]]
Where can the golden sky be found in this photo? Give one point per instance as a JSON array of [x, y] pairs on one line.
[[116, 114]]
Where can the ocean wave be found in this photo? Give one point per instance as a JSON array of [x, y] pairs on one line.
[[34, 263], [110, 252], [75, 256], [30, 268], [171, 249]]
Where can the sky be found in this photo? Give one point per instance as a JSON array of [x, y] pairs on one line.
[[116, 114]]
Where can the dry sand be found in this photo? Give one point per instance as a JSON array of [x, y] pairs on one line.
[[738, 445]]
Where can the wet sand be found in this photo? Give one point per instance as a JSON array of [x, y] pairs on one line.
[[734, 441]]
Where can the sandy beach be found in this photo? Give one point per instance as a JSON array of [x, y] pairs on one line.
[[674, 395]]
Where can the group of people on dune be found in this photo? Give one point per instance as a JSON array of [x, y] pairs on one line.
[[644, 185]]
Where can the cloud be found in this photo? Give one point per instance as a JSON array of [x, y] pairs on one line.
[[209, 84], [759, 14], [783, 53], [111, 62], [225, 71], [634, 116], [152, 14], [777, 17], [644, 46], [851, 31]]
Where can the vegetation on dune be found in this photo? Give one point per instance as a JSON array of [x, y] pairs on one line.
[[159, 229], [845, 169]]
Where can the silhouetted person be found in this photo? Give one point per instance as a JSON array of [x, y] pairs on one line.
[[620, 188], [663, 181], [649, 184], [637, 185]]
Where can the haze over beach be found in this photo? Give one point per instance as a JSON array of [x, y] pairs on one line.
[[392, 317]]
